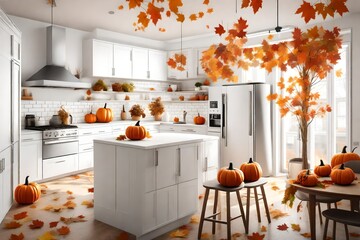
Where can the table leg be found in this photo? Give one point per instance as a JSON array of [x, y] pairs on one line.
[[354, 204], [312, 212]]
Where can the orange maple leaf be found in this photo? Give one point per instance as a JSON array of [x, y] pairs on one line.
[[162, 30], [63, 230], [338, 73], [12, 225], [121, 7], [70, 204], [168, 13], [17, 237], [256, 5], [282, 227], [210, 10], [307, 11], [220, 30], [180, 17], [91, 189], [36, 224], [200, 14], [320, 9], [69, 220], [69, 192], [134, 3], [53, 224], [339, 6], [143, 19], [154, 12], [263, 228], [245, 3], [47, 236], [295, 227], [89, 204], [193, 17], [272, 97], [276, 213], [307, 235], [174, 5], [206, 2], [256, 236], [21, 215]]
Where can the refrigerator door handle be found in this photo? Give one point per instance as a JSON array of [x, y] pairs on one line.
[[251, 113], [224, 125]]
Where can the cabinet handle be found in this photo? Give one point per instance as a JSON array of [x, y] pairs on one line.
[[179, 154], [197, 152], [156, 158], [131, 56], [187, 74], [206, 164], [60, 161], [113, 71], [197, 70], [87, 133], [188, 130], [148, 74], [101, 131], [2, 165], [86, 149], [27, 139]]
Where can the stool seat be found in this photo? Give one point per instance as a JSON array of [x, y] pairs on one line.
[[258, 183], [342, 216], [214, 185]]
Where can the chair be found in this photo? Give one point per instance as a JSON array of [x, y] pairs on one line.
[[214, 185], [343, 216]]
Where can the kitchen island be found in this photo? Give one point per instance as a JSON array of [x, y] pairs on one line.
[[147, 187]]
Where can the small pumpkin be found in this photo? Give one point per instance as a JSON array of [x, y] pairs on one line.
[[104, 115], [344, 156], [27, 193], [342, 175], [199, 120], [322, 170], [230, 177], [306, 178], [136, 132], [252, 171], [90, 117]]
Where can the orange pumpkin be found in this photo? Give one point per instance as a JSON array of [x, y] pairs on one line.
[[104, 115], [342, 175], [199, 120], [27, 193], [322, 170], [230, 177], [136, 132], [90, 117], [252, 171], [344, 156], [306, 178]]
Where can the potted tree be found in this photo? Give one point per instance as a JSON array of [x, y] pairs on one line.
[[157, 108], [136, 112]]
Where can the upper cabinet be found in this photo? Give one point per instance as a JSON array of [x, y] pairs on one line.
[[199, 70], [107, 59]]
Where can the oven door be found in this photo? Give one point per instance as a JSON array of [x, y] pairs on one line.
[[58, 147]]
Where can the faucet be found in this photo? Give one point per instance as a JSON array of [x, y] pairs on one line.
[[184, 116]]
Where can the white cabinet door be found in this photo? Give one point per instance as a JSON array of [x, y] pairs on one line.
[[199, 70], [31, 160], [187, 198], [157, 65], [188, 162], [149, 212], [60, 165], [166, 205], [86, 160], [102, 59], [188, 72], [122, 61], [15, 100], [6, 196], [166, 167], [140, 63]]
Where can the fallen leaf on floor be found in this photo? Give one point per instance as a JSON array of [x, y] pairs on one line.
[[69, 220], [48, 207], [201, 196], [263, 228], [12, 225], [299, 207], [46, 236], [63, 230], [21, 215], [194, 219], [282, 227], [43, 191], [69, 192], [275, 188], [33, 206], [57, 209], [53, 224], [55, 199], [256, 236], [205, 236], [75, 177], [354, 234], [91, 189], [17, 237], [88, 204], [71, 197], [123, 236], [236, 235], [307, 235], [70, 204], [179, 233], [36, 224], [276, 213], [295, 227], [43, 186]]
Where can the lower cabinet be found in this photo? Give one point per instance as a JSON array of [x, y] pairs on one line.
[[6, 195], [31, 158], [60, 165]]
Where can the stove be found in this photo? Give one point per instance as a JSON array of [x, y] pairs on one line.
[[56, 131]]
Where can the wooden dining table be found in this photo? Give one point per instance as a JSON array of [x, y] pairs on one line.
[[350, 192]]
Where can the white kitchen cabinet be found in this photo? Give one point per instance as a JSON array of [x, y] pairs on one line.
[[60, 165], [199, 70], [31, 156], [157, 65], [166, 161], [140, 58], [189, 68], [122, 61], [6, 190], [166, 205], [183, 128], [187, 204], [102, 59]]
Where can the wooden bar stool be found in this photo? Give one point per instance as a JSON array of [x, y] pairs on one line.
[[254, 185], [214, 185]]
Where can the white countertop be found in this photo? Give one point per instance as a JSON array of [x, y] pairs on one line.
[[158, 140], [115, 123]]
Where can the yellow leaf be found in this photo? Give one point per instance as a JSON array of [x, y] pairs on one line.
[[338, 73], [276, 213], [307, 235], [263, 228], [275, 188], [179, 233], [46, 236], [194, 219], [295, 227], [205, 236]]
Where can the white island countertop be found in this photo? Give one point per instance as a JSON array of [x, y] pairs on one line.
[[158, 140]]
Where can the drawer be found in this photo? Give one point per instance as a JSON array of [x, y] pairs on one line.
[[86, 160], [95, 130], [193, 130], [167, 128], [60, 165], [31, 136], [86, 147]]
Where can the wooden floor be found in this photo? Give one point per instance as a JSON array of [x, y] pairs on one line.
[[50, 208]]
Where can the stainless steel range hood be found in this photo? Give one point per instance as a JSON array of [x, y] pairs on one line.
[[54, 73]]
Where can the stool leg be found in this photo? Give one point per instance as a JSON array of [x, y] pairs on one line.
[[265, 203], [334, 230], [203, 213], [257, 204], [325, 228], [214, 209], [247, 208], [242, 212], [346, 231], [228, 217], [320, 216]]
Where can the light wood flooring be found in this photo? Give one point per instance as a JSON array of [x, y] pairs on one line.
[[56, 193]]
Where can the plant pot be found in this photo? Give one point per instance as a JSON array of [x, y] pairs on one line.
[[158, 117], [135, 118]]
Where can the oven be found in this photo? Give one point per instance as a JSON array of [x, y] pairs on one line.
[[215, 109], [57, 147]]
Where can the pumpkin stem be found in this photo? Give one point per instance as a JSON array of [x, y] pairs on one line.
[[231, 166], [342, 167], [308, 172], [91, 109], [105, 105], [198, 114], [321, 163], [137, 123], [251, 161], [344, 149], [123, 108], [354, 149], [26, 180]]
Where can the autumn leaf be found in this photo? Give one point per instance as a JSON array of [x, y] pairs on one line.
[[193, 17], [36, 224], [236, 235], [307, 11], [200, 14], [275, 188], [206, 2], [338, 73], [276, 213], [47, 236], [53, 224], [33, 206], [89, 204], [12, 225], [162, 30], [307, 235], [210, 10], [70, 220], [245, 3], [220, 30], [180, 17], [256, 5], [17, 237], [21, 215], [91, 189], [282, 227], [69, 192], [75, 177], [256, 236], [339, 6], [194, 219], [295, 227], [63, 230], [143, 19], [205, 236], [263, 228], [121, 7], [182, 232], [70, 204]]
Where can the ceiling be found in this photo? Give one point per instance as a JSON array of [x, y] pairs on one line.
[[90, 14]]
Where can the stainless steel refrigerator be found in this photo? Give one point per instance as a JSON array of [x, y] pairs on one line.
[[246, 125]]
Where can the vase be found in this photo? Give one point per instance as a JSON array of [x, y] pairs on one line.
[[123, 116], [135, 118], [158, 117]]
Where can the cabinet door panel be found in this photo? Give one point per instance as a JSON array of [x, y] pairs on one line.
[[166, 167], [5, 180], [86, 160], [149, 212], [5, 97], [122, 61], [15, 100], [140, 63], [187, 198], [102, 59], [157, 65], [31, 160], [188, 162], [166, 205]]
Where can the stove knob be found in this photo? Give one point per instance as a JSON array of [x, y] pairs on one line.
[[56, 134]]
